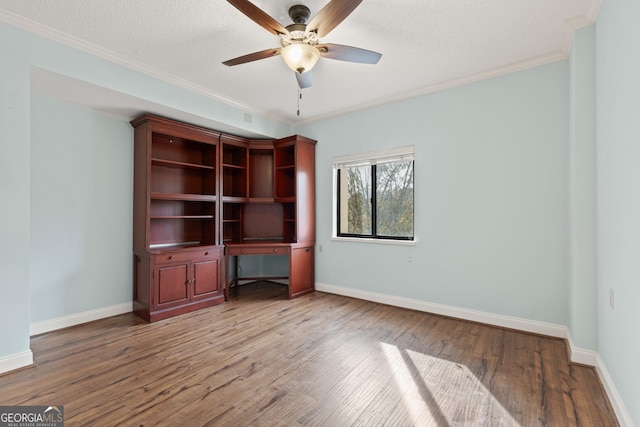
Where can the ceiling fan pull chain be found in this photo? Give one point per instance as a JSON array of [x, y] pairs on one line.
[[299, 98]]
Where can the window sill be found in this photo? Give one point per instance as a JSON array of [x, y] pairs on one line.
[[378, 241]]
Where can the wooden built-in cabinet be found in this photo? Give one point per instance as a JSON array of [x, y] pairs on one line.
[[268, 190], [276, 215], [177, 256], [179, 281], [295, 183], [200, 197]]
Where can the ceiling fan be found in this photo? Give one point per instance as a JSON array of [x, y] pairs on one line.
[[300, 42]]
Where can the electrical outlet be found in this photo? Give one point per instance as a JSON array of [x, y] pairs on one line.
[[321, 248], [611, 298]]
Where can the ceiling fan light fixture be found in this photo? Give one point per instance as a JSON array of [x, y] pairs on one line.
[[300, 57]]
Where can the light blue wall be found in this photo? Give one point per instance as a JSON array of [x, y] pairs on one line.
[[67, 281], [583, 312], [76, 64], [14, 193], [81, 210], [267, 265], [618, 148], [491, 201]]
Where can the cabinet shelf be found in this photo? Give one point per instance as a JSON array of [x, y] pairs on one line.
[[183, 165], [182, 217], [234, 167], [288, 199], [184, 197], [159, 249], [234, 199], [285, 156], [285, 167], [260, 200]]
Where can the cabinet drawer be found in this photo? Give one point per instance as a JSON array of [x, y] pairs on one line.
[[259, 250], [171, 257]]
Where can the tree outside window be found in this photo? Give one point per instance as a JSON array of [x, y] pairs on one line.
[[375, 200]]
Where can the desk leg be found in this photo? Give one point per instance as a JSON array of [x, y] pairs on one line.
[[226, 276], [235, 274], [229, 282]]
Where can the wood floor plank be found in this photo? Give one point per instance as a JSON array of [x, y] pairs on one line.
[[319, 360]]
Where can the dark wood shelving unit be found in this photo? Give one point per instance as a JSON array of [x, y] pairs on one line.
[[234, 168], [279, 216], [177, 256], [201, 196]]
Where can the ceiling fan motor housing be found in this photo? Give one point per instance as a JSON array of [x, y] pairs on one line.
[[299, 14]]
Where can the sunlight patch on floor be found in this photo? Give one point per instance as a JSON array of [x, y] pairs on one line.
[[438, 392]]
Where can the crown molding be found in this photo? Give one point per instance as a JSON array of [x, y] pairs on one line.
[[449, 84], [571, 26], [593, 10], [581, 21], [95, 50]]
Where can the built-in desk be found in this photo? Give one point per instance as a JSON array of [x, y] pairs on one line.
[[301, 275]]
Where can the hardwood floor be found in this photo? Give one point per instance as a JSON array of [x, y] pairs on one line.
[[322, 360]]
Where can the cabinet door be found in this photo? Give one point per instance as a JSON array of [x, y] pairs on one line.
[[301, 274], [171, 285], [207, 279]]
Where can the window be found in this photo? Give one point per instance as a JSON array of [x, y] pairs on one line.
[[374, 195]]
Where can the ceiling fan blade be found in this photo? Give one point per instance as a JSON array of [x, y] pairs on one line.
[[331, 15], [267, 53], [259, 16], [348, 53], [304, 79]]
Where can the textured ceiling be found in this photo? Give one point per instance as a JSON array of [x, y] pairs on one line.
[[425, 45]]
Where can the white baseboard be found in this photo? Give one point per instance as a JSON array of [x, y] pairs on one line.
[[20, 360], [578, 355], [533, 326], [16, 361], [624, 418], [41, 327], [581, 355]]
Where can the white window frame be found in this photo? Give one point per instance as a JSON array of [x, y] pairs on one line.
[[370, 158]]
